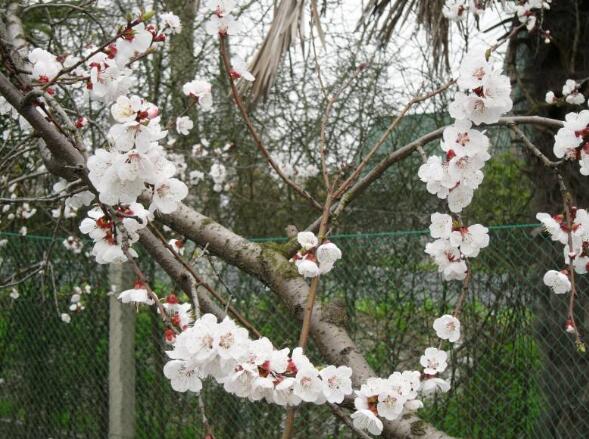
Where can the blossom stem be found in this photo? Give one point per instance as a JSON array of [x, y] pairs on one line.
[[534, 149], [304, 335], [566, 198], [143, 279], [256, 137], [347, 184], [200, 282], [91, 54]]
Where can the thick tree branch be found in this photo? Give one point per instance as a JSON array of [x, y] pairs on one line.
[[263, 262], [56, 142], [274, 269], [176, 271]]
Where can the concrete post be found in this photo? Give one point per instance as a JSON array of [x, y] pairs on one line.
[[121, 357]]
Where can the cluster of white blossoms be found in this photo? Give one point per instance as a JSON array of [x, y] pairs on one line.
[[136, 159], [46, 66], [558, 229], [484, 99], [76, 302], [314, 259], [22, 211], [485, 92], [73, 244], [571, 229], [248, 368], [571, 94], [454, 243], [459, 174], [526, 11], [298, 172], [389, 398], [109, 75], [109, 239], [180, 314], [571, 142], [221, 22], [134, 162], [200, 91], [456, 10], [218, 174], [255, 370]]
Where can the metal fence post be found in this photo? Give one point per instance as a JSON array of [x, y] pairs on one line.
[[121, 353]]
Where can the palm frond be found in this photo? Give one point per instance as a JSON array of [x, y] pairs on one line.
[[382, 17], [287, 25]]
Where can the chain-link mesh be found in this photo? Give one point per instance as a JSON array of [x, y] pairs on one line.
[[515, 374]]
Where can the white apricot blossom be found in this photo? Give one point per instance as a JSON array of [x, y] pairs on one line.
[[183, 376], [240, 70], [201, 91], [434, 361], [367, 420], [557, 281], [137, 294], [171, 23], [571, 142], [336, 383], [184, 125], [447, 327]]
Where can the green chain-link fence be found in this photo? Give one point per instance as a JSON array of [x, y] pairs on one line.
[[516, 373]]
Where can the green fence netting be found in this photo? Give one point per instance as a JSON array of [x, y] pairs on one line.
[[515, 374]]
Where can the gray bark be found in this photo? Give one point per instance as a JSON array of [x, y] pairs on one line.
[[267, 264]]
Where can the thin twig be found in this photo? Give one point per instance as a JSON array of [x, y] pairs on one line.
[[200, 282], [308, 313], [534, 149], [257, 139], [567, 203], [30, 272], [373, 150], [322, 141]]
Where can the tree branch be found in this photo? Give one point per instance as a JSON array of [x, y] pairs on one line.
[[268, 265], [401, 153], [257, 139]]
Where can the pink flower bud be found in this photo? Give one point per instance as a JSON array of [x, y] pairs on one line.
[[81, 122], [570, 327], [153, 112]]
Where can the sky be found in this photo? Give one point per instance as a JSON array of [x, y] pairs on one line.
[[339, 23]]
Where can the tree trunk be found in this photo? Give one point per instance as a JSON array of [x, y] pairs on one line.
[[536, 68]]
